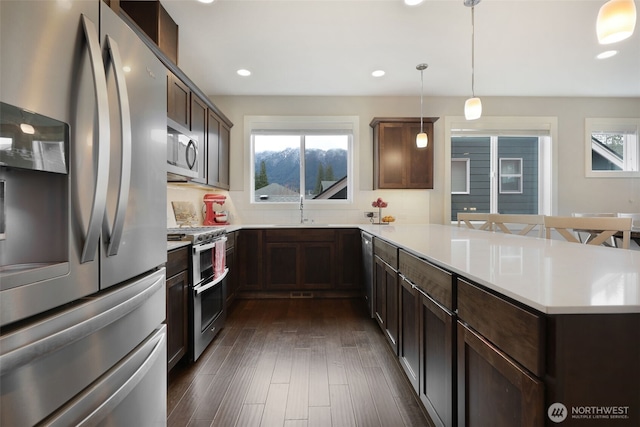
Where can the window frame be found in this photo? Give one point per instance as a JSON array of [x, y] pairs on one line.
[[467, 177], [501, 175], [546, 127], [304, 125], [627, 126]]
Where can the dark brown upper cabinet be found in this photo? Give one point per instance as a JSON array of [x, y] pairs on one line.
[[218, 154], [178, 101], [397, 161], [156, 22]]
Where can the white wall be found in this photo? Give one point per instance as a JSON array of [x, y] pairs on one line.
[[575, 192]]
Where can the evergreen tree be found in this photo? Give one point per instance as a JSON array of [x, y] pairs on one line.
[[319, 179], [328, 175], [261, 178]]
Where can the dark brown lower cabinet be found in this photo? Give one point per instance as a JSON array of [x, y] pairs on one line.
[[282, 262], [298, 259], [298, 266], [349, 259], [380, 292], [232, 275], [249, 256], [409, 337], [427, 335], [177, 312], [318, 266], [595, 368], [177, 305], [493, 390], [386, 284], [437, 356]]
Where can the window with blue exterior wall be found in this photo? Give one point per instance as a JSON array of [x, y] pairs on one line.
[[503, 176]]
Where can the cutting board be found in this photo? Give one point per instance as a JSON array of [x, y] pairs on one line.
[[185, 213]]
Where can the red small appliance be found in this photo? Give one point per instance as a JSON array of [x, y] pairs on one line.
[[211, 215]]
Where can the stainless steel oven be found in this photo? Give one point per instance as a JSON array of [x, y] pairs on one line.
[[207, 285], [209, 293]]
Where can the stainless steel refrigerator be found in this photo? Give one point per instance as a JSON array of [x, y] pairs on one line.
[[82, 218]]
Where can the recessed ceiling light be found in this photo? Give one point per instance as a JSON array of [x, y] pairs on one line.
[[607, 54], [412, 2], [244, 73], [378, 73], [206, 1]]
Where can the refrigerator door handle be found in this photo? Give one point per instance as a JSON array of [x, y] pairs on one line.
[[90, 408], [98, 207], [115, 236], [57, 339]]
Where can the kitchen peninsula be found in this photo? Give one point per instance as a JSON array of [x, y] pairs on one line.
[[551, 276], [535, 331]]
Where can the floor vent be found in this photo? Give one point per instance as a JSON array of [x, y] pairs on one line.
[[301, 294]]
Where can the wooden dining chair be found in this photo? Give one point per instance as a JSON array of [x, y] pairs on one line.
[[635, 218], [506, 222], [600, 229], [635, 225], [587, 236], [467, 217]]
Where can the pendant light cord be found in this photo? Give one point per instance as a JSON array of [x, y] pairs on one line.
[[473, 51], [421, 96]]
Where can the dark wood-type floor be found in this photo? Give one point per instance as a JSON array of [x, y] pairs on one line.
[[294, 362]]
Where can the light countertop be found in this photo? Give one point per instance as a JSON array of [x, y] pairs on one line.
[[552, 276], [171, 245]]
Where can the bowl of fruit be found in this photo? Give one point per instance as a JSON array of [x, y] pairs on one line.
[[388, 218]]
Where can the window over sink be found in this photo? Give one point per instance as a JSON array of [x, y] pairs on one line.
[[294, 157]]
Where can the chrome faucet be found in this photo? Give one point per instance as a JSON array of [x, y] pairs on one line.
[[301, 209]]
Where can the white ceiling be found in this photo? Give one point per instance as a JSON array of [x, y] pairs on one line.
[[330, 47]]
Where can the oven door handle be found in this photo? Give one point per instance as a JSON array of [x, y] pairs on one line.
[[200, 289], [200, 248]]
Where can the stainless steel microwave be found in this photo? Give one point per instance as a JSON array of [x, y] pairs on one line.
[[183, 153]]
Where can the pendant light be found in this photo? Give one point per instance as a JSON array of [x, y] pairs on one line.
[[421, 139], [473, 105], [616, 21]]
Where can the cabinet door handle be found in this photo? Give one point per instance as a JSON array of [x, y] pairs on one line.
[[420, 291], [414, 286]]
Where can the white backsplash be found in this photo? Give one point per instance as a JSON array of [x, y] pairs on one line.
[[407, 206], [193, 194]]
